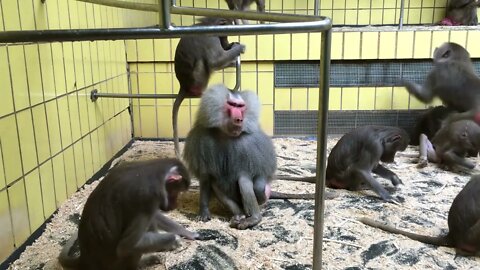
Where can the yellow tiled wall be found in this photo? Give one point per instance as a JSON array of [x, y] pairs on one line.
[[343, 12], [152, 72], [52, 137]]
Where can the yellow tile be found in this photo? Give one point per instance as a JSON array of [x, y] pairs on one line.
[[473, 38], [75, 116], [383, 98], [73, 6], [27, 145], [59, 179], [413, 16], [59, 69], [299, 98], [282, 99], [337, 46], [265, 92], [393, 3], [136, 121], [174, 44], [364, 17], [101, 60], [249, 81], [366, 98], [405, 44], [350, 98], [83, 101], [250, 43], [376, 16], [70, 174], [145, 50], [47, 71], [94, 59], [415, 103], [370, 45], [19, 76], [400, 98], [33, 74], [53, 127], [377, 3], [387, 45], [338, 16], [351, 45], [265, 47], [438, 38], [325, 5], [300, 46], [149, 122], [459, 37], [87, 63], [427, 16], [63, 15], [87, 149], [265, 66], [102, 146], [162, 50], [3, 180], [282, 47], [314, 43], [6, 102], [65, 128], [266, 119], [335, 98], [390, 16], [19, 212], [48, 189], [313, 96], [34, 199], [52, 13], [351, 17], [69, 66], [422, 44], [26, 15], [41, 133], [6, 232], [164, 116], [13, 169], [10, 15]]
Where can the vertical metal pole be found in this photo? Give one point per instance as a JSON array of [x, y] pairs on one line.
[[402, 10], [164, 13], [321, 149], [238, 75], [315, 7]]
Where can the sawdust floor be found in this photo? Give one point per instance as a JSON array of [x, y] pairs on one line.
[[284, 238]]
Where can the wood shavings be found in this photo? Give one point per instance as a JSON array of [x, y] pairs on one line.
[[284, 238]]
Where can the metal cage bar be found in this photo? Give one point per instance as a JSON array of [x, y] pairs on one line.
[[294, 24]]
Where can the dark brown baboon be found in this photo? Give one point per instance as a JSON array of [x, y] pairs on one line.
[[463, 222], [123, 213], [461, 12], [358, 153], [451, 144], [454, 81], [196, 58], [429, 122], [244, 5]]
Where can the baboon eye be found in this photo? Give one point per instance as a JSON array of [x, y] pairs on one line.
[[446, 54]]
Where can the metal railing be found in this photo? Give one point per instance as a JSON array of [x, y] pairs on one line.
[[290, 24]]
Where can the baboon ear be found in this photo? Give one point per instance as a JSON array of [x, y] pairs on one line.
[[173, 175], [394, 138]]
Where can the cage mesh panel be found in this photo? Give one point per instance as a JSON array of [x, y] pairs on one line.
[[354, 73], [304, 123]]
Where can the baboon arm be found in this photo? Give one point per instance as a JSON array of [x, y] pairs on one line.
[[421, 92], [452, 158], [170, 225], [227, 57], [366, 177], [387, 174]]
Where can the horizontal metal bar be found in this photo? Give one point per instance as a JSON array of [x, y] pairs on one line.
[[151, 32], [94, 95], [249, 15]]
